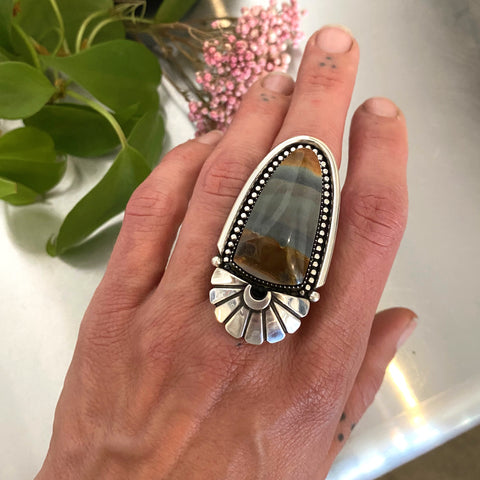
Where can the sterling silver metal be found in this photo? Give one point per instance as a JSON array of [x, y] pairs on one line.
[[280, 310]]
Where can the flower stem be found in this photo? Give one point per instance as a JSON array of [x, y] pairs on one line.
[[28, 44], [97, 28], [61, 26], [83, 27], [102, 111]]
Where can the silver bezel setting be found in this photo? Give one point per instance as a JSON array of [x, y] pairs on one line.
[[323, 244]]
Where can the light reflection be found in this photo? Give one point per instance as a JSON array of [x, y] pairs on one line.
[[371, 464], [418, 420], [398, 378], [400, 442], [423, 432]]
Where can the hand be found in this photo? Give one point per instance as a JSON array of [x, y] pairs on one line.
[[157, 389]]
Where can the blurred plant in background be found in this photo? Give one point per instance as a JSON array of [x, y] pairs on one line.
[[83, 83]]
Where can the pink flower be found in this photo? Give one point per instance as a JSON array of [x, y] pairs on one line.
[[259, 44]]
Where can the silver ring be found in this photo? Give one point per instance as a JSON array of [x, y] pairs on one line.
[[277, 243]]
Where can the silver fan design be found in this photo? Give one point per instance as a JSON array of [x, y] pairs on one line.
[[256, 320]]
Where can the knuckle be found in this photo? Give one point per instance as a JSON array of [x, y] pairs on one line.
[[377, 216], [180, 155], [152, 207], [156, 338], [324, 79], [106, 320], [225, 177], [108, 333], [379, 138], [126, 443], [265, 104]]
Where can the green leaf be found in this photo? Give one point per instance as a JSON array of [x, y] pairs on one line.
[[23, 47], [107, 199], [172, 10], [147, 136], [23, 90], [6, 15], [7, 187], [74, 13], [16, 193], [4, 55], [27, 155], [37, 19], [76, 129], [119, 73]]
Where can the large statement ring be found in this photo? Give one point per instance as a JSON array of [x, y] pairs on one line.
[[277, 243]]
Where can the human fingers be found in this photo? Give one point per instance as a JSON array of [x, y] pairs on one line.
[[325, 84], [390, 329], [152, 218], [373, 215], [323, 88], [243, 146]]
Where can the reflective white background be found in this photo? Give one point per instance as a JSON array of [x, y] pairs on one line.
[[425, 56]]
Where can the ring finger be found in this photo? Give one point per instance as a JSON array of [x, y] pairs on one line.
[[245, 143]]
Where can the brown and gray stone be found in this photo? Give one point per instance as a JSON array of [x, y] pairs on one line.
[[277, 240]]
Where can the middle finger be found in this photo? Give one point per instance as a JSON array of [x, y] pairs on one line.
[[318, 107], [323, 89]]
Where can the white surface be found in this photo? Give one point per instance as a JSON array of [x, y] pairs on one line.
[[426, 56]]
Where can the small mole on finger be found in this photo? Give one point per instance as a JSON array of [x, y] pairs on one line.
[[340, 437]]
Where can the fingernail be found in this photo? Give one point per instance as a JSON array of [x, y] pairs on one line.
[[407, 332], [335, 39], [210, 138], [278, 82], [381, 106]]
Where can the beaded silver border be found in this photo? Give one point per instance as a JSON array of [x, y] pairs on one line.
[[323, 244]]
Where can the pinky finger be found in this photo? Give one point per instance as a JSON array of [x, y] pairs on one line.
[[389, 330]]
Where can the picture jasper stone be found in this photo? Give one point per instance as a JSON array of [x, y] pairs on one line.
[[277, 240]]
